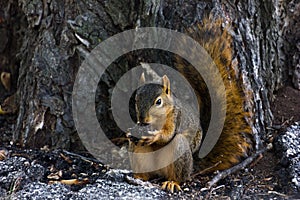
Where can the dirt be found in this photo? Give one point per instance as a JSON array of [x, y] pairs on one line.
[[286, 106], [266, 178], [268, 171], [286, 111]]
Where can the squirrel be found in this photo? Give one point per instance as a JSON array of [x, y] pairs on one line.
[[158, 113]]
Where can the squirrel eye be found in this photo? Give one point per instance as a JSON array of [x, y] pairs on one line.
[[158, 102]]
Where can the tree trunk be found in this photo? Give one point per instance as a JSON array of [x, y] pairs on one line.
[[58, 34]]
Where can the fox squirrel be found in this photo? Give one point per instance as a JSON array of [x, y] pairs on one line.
[[159, 112]]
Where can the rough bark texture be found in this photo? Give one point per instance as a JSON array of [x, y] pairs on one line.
[[57, 34]]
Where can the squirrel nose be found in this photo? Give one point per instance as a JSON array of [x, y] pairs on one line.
[[142, 121]]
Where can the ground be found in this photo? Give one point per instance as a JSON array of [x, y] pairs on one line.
[[266, 178], [286, 105]]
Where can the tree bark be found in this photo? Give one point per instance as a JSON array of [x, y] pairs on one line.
[[58, 34]]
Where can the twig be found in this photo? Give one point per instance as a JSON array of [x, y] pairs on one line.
[[284, 124], [221, 175], [256, 161], [277, 193], [86, 159], [207, 169]]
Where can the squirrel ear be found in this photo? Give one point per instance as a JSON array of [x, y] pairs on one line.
[[166, 85], [142, 79]]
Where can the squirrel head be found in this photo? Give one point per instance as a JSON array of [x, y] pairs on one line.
[[153, 102]]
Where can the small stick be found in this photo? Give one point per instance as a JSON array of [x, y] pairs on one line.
[[86, 159], [207, 169], [71, 181], [221, 175]]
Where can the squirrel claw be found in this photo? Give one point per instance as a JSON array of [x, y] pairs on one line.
[[153, 132], [148, 140], [169, 185], [154, 137]]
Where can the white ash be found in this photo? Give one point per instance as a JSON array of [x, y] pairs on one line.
[[288, 145]]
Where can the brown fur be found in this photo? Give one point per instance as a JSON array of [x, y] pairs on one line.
[[236, 138], [177, 171]]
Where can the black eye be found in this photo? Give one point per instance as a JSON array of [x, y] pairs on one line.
[[158, 102]]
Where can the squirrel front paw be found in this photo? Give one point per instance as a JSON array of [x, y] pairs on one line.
[[153, 137]]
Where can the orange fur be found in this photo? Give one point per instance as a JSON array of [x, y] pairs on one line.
[[235, 141]]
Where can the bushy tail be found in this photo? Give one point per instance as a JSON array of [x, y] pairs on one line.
[[236, 138]]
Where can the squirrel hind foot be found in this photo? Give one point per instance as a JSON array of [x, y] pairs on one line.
[[170, 185]]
